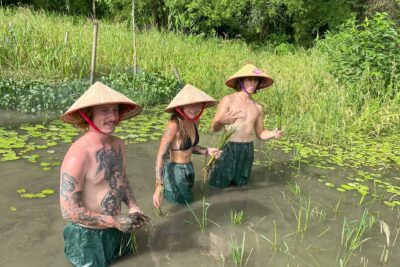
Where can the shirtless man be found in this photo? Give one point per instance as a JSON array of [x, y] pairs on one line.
[[240, 111], [93, 181]]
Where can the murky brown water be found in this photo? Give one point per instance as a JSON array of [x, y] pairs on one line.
[[32, 235]]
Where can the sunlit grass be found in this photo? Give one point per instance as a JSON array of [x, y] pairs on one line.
[[310, 99]]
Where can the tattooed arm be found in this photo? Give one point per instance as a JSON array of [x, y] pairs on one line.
[[167, 139], [72, 178]]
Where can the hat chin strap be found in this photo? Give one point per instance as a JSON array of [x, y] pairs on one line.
[[196, 118], [243, 88], [86, 118]]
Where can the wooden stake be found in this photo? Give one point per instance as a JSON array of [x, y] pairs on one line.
[[134, 37], [94, 47]]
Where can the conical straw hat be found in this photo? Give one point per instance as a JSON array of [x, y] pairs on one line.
[[249, 70], [190, 95], [100, 94]]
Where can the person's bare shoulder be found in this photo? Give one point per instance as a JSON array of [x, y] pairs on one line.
[[76, 154], [259, 107], [118, 143], [226, 100], [172, 126]]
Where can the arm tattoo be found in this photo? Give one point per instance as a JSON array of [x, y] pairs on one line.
[[72, 205], [67, 185], [128, 197]]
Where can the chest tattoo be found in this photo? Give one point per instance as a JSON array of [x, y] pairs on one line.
[[111, 162]]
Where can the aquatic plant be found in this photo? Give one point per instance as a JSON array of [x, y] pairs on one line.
[[280, 107], [294, 188], [389, 246], [237, 253], [128, 245], [203, 219], [236, 217], [223, 140], [274, 244], [277, 207], [354, 233], [305, 205], [160, 213]]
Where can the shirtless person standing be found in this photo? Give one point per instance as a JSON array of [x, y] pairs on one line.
[[240, 111], [93, 181]]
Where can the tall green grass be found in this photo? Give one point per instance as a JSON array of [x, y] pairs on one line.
[[312, 105]]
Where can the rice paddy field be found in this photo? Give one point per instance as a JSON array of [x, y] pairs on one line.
[[305, 205], [327, 194]]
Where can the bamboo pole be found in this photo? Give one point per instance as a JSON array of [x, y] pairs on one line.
[[94, 47], [134, 38]]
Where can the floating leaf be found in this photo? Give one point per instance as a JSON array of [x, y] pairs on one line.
[[329, 184], [48, 191], [21, 190]]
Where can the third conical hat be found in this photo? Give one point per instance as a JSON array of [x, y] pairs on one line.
[[249, 70], [190, 95], [101, 94]]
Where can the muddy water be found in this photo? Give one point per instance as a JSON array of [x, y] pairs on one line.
[[32, 234]]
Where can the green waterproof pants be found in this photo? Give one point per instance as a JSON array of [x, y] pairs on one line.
[[234, 165], [94, 247], [178, 181]]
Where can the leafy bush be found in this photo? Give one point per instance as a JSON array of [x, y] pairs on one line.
[[369, 51], [36, 96], [144, 88]]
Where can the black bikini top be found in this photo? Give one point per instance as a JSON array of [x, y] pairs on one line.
[[187, 143]]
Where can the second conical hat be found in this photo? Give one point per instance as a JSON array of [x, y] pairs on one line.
[[190, 95], [101, 94], [249, 70]]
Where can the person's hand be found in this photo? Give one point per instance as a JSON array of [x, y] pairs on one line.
[[123, 223], [278, 133], [231, 117], [214, 152], [158, 195], [139, 220], [135, 209]]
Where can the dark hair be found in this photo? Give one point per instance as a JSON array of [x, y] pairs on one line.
[[240, 80], [176, 117]]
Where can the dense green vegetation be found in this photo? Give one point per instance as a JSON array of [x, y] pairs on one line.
[[316, 102], [256, 21]]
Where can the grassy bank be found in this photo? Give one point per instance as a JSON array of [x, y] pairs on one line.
[[314, 105]]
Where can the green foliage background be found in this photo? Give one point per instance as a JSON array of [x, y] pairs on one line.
[[348, 83], [259, 21]]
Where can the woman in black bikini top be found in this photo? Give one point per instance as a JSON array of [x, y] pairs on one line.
[[174, 169]]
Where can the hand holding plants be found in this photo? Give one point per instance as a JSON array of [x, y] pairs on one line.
[[214, 152], [277, 133]]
